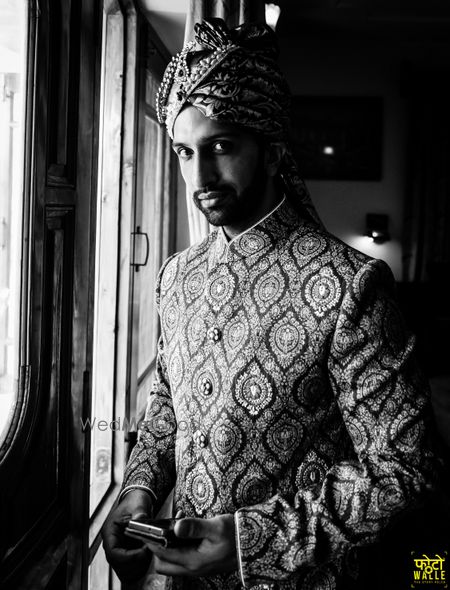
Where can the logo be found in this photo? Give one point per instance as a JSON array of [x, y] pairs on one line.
[[429, 571]]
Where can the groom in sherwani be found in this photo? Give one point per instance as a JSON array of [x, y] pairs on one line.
[[288, 413]]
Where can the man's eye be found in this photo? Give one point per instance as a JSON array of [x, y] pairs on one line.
[[183, 153], [221, 147]]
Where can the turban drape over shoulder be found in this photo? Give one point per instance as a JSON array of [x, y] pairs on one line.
[[232, 76]]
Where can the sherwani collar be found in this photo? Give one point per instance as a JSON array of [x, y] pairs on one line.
[[271, 230]]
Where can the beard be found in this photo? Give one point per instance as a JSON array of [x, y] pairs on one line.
[[235, 208]]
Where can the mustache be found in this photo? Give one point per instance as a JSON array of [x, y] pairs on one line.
[[211, 192]]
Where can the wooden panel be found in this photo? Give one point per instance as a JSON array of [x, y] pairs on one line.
[[45, 471], [62, 91], [35, 519]]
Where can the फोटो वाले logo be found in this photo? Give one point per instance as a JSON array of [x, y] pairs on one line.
[[429, 571]]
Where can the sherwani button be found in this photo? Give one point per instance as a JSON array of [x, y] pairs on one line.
[[200, 439], [206, 387], [214, 334]]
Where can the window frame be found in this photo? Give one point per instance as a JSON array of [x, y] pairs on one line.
[[16, 433], [156, 59]]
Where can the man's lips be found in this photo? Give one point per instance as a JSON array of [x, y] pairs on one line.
[[212, 198], [212, 195]]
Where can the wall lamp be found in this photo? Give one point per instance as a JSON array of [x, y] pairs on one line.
[[272, 14], [377, 227]]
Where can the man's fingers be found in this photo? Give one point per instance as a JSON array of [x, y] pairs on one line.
[[169, 569], [131, 565], [131, 555], [194, 528], [172, 555], [139, 515]]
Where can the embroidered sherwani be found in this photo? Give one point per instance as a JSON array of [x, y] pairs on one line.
[[286, 393]]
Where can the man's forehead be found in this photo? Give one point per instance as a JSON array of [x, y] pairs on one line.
[[191, 125]]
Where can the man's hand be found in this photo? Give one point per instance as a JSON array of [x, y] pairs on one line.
[[128, 557], [214, 553]]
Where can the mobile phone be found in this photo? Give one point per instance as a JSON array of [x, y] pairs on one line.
[[158, 531]]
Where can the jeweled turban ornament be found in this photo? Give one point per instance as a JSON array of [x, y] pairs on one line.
[[179, 80]]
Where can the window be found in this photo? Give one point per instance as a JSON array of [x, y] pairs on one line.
[[134, 183], [107, 254], [154, 216], [13, 257]]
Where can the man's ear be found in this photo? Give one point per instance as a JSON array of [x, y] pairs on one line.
[[275, 151]]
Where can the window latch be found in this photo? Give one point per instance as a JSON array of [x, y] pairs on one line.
[[140, 246]]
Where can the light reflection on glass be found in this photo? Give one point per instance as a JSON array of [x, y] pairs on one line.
[[13, 46]]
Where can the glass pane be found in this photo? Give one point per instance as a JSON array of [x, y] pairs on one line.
[[98, 573], [151, 89], [107, 251], [13, 46], [153, 215], [151, 224]]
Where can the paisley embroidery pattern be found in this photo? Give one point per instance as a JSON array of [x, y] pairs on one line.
[[176, 367], [287, 339], [194, 284], [227, 440], [254, 391], [284, 436], [251, 244], [236, 335], [269, 288], [311, 472], [169, 275], [196, 333], [221, 288], [200, 489], [170, 318], [253, 485], [276, 398], [323, 291]]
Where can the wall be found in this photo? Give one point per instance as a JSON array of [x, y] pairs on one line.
[[363, 68]]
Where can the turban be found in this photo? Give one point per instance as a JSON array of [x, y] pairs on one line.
[[232, 76]]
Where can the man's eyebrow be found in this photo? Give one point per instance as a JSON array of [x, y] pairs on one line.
[[208, 139]]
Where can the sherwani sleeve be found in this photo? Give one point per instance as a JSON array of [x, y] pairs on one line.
[[151, 465], [383, 400]]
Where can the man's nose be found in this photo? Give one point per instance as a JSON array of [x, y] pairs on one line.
[[204, 172]]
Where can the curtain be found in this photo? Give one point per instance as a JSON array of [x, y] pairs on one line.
[[426, 227], [234, 13], [426, 245]]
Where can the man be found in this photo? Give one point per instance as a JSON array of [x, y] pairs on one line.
[[287, 413]]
